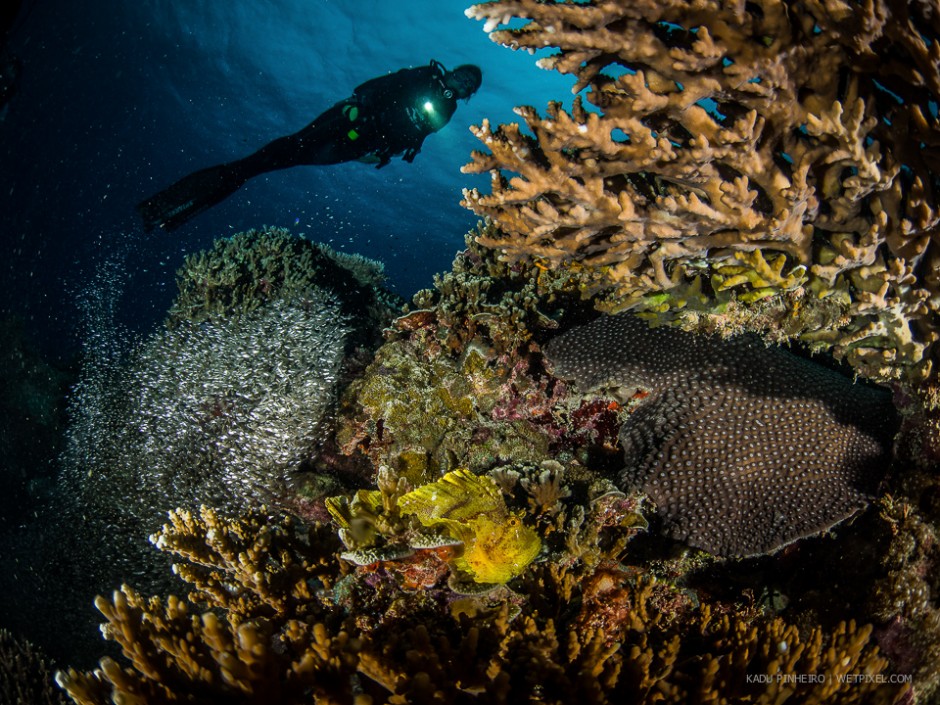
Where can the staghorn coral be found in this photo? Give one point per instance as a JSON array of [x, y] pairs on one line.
[[792, 139], [261, 581], [25, 677], [742, 447], [593, 635]]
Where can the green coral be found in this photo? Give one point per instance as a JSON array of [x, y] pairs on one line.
[[425, 417], [243, 272]]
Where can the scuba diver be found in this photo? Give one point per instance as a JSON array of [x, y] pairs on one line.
[[384, 117]]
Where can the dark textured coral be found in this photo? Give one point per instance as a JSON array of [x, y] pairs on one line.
[[251, 269], [744, 448]]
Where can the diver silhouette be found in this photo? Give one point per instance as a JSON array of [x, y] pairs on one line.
[[384, 117]]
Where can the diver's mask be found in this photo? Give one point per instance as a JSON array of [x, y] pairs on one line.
[[460, 83]]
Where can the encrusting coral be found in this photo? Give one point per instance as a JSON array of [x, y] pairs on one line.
[[767, 165], [277, 623], [732, 427]]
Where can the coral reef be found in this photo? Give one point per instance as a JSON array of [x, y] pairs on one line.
[[382, 608], [596, 634], [460, 511], [249, 269], [732, 427], [25, 677], [754, 166], [233, 394], [767, 165], [226, 406]]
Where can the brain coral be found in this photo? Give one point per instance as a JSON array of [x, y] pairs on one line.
[[780, 156], [744, 448]]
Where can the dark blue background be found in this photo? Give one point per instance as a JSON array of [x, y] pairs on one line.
[[118, 99]]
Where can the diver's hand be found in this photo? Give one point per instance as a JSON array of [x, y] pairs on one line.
[[410, 154]]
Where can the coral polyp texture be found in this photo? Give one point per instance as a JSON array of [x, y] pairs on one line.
[[771, 165], [744, 448]]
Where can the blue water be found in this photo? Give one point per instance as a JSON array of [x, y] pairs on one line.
[[119, 99]]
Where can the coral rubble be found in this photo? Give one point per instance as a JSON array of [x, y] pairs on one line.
[[744, 448], [769, 165]]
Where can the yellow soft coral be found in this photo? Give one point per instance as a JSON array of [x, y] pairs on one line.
[[499, 550], [497, 544]]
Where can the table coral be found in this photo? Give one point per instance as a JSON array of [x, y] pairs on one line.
[[743, 448], [795, 142]]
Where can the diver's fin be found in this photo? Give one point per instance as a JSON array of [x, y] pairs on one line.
[[189, 197]]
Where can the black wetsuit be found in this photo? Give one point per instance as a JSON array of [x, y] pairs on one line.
[[384, 117]]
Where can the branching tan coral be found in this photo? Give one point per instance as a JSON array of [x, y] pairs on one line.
[[566, 634], [251, 568], [25, 675], [798, 133], [262, 638]]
